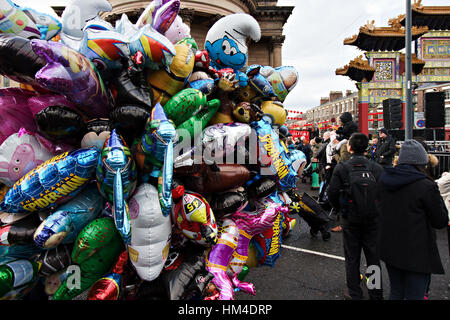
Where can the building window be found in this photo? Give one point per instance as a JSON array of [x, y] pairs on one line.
[[447, 116], [447, 94], [6, 82]]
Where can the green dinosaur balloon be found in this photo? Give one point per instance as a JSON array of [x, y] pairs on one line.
[[95, 251], [185, 103], [195, 125]]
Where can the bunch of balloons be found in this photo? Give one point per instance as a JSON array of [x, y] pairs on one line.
[[133, 162]]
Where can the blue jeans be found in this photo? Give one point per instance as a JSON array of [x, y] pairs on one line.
[[407, 285]]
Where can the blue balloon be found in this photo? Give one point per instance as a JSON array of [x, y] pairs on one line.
[[52, 183], [274, 157], [117, 180], [63, 225]]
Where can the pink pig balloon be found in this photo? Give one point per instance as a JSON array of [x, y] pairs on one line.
[[20, 153], [178, 30]]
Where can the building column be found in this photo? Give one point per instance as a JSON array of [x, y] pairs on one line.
[[214, 18], [187, 15], [363, 108], [277, 45]]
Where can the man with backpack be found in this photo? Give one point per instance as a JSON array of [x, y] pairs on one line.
[[354, 191]]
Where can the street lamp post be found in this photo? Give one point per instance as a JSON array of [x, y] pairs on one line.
[[408, 80]]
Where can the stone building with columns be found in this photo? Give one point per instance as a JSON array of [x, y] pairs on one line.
[[200, 15]]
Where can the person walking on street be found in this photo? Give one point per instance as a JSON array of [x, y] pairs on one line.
[[386, 149], [342, 154], [354, 192], [411, 208]]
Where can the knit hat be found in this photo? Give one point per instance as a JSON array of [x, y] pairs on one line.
[[346, 117], [383, 130], [412, 152]]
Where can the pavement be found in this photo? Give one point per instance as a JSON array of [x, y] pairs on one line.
[[311, 269]]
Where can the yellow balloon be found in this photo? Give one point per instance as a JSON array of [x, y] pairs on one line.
[[220, 117], [276, 110], [252, 260], [167, 83]]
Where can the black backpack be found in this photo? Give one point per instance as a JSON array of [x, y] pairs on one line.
[[360, 190]]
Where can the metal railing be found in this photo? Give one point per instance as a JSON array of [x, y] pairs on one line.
[[435, 146], [440, 149], [443, 165]]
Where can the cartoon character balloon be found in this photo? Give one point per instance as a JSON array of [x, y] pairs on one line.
[[160, 14], [96, 249], [51, 183], [178, 30], [227, 258], [63, 225], [194, 218], [150, 240], [155, 154], [27, 22], [117, 179], [104, 46], [169, 81], [70, 73], [157, 50], [226, 42], [20, 153], [75, 16]]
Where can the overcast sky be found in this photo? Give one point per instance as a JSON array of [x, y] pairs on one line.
[[315, 33]]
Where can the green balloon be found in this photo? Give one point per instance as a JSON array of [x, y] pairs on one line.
[[243, 273], [189, 41], [96, 250], [185, 103], [200, 120]]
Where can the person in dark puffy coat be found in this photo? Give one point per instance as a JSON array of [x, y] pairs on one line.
[[411, 208], [384, 154], [347, 126]]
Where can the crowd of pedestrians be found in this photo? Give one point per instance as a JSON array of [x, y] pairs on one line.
[[386, 203]]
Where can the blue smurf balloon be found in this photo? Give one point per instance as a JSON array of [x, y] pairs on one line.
[[226, 42]]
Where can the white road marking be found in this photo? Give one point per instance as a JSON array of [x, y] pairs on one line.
[[314, 252]]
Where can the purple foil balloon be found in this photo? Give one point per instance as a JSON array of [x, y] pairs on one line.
[[14, 112], [160, 14], [165, 16], [219, 257], [70, 73], [228, 257], [17, 109]]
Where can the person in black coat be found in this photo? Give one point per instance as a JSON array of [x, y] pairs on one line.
[[411, 208], [361, 229], [305, 148], [347, 126], [386, 149]]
